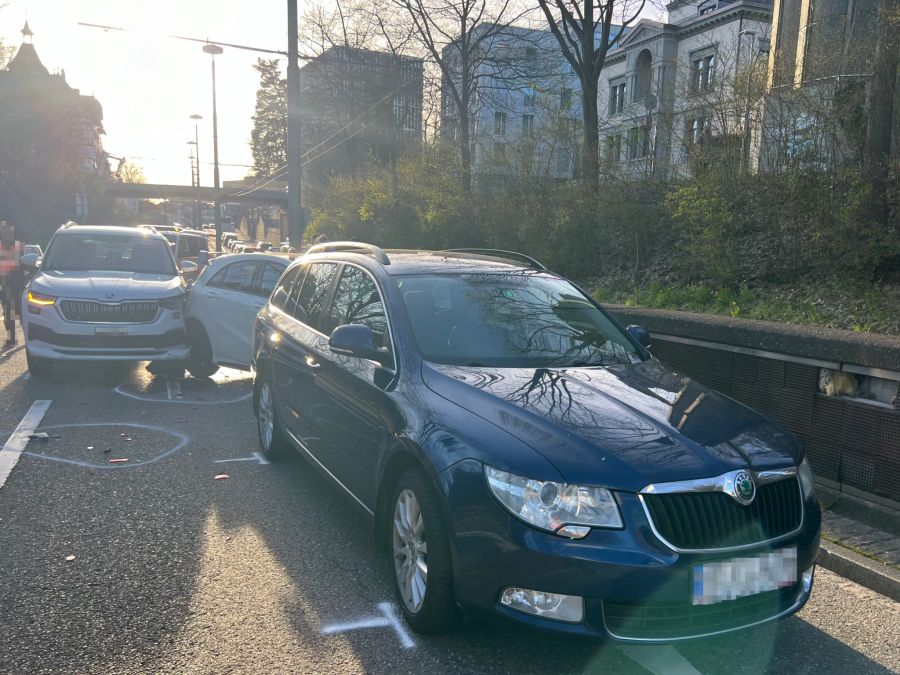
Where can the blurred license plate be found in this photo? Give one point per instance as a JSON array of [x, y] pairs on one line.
[[739, 577], [111, 330]]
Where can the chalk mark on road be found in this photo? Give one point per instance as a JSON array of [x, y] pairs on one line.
[[388, 619], [178, 399], [254, 457], [182, 441]]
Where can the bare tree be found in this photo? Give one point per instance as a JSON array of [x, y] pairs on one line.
[[457, 35], [583, 29]]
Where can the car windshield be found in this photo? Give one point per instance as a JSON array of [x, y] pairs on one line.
[[110, 253], [510, 320]]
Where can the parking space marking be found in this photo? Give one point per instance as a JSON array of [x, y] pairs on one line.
[[182, 441], [254, 457], [661, 660], [388, 619], [15, 444]]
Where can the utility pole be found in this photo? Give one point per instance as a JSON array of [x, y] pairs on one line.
[[198, 220], [296, 224], [212, 50]]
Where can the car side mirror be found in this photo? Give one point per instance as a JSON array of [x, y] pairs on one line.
[[357, 341], [188, 266], [640, 334]]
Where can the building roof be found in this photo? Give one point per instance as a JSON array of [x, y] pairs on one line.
[[27, 62]]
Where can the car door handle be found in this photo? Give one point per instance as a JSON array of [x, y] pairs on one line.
[[210, 294], [311, 362]]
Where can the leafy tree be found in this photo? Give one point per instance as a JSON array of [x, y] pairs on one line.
[[131, 172], [268, 139]]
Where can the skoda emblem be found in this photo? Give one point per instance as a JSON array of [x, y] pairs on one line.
[[744, 487]]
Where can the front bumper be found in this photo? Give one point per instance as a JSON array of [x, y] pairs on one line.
[[635, 588], [48, 335]]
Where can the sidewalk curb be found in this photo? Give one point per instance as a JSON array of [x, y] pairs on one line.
[[864, 571]]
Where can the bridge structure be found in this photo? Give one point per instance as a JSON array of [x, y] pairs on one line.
[[187, 193]]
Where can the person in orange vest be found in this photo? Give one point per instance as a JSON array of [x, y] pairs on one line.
[[11, 279]]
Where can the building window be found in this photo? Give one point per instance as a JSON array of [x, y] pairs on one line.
[[500, 123], [703, 69], [565, 98], [526, 157], [563, 162], [697, 129], [529, 97], [638, 142], [617, 98], [530, 53], [613, 149], [707, 7], [643, 75], [527, 125]]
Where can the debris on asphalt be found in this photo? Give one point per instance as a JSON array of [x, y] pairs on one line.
[[123, 435], [39, 435], [90, 447], [70, 558], [107, 451], [118, 460], [127, 439], [222, 476]]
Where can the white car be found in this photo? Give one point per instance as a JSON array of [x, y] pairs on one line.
[[222, 306], [105, 293]]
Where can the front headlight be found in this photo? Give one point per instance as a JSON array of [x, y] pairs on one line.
[[174, 302], [41, 299], [807, 481], [567, 510]]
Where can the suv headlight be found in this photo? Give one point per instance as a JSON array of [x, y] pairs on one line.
[[566, 510], [173, 302], [807, 481], [41, 299]]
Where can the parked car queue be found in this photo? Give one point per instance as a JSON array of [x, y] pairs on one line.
[[517, 451]]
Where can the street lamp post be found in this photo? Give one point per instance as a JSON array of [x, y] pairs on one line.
[[197, 216], [212, 50]]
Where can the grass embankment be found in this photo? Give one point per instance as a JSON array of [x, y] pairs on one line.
[[849, 306]]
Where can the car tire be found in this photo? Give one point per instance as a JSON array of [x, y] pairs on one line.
[[418, 538], [272, 440], [199, 363], [38, 366]]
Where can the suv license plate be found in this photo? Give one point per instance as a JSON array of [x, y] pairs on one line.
[[739, 577], [111, 330]]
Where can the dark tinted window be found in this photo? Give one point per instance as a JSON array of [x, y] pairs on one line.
[[520, 320], [357, 301], [312, 293], [236, 277], [268, 277], [280, 296]]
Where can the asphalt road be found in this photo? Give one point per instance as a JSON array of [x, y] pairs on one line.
[[272, 570]]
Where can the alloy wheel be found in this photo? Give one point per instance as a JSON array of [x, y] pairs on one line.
[[410, 550], [265, 420]]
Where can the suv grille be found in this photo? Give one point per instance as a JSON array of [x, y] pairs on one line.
[[673, 620], [709, 520], [90, 311]]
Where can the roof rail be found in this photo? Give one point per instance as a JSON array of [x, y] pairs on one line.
[[498, 253], [351, 247]]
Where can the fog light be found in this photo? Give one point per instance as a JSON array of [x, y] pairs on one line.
[[807, 579], [568, 608]]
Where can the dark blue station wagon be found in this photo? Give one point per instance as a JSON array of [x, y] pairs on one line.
[[521, 453]]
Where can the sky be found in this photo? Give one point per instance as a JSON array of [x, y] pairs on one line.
[[149, 84]]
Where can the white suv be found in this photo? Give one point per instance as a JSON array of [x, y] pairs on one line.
[[105, 293]]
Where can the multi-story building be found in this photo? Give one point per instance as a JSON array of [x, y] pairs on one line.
[[51, 154], [819, 73], [670, 88], [358, 105], [525, 116]]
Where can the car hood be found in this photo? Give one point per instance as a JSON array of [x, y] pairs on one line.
[[622, 426], [107, 286]]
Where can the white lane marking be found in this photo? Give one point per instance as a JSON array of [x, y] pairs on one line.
[[182, 441], [15, 445], [660, 660], [187, 401], [168, 388], [388, 619], [255, 457]]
